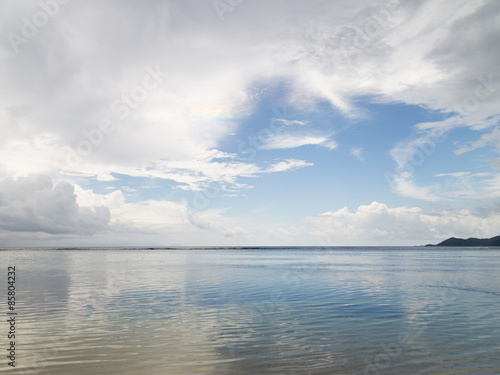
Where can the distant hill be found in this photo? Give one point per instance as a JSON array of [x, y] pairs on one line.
[[470, 242]]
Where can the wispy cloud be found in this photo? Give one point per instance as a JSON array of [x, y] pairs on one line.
[[404, 185], [357, 152], [409, 156], [289, 164], [453, 174], [488, 139], [283, 141], [291, 122]]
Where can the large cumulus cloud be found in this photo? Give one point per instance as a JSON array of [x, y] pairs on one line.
[[35, 204]]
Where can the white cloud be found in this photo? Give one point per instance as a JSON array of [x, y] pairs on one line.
[[289, 164], [291, 122], [70, 213], [404, 185], [105, 177], [488, 139], [162, 222], [331, 144], [453, 174], [35, 204], [194, 172], [34, 209], [378, 223], [401, 54], [491, 187], [373, 221], [357, 152], [409, 156], [283, 140], [199, 174]]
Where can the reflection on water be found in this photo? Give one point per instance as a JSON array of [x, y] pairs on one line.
[[268, 311]]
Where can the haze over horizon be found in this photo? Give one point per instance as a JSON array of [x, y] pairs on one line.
[[238, 122]]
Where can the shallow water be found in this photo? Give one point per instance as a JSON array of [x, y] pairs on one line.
[[260, 311]]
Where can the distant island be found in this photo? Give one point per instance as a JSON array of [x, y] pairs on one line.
[[470, 242]]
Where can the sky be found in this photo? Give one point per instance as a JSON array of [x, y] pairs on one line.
[[240, 123]]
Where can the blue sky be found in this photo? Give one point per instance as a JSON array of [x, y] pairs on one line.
[[249, 122]]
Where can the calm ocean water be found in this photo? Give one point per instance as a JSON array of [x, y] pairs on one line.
[[254, 311]]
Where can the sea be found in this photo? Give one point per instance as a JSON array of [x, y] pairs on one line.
[[250, 311]]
